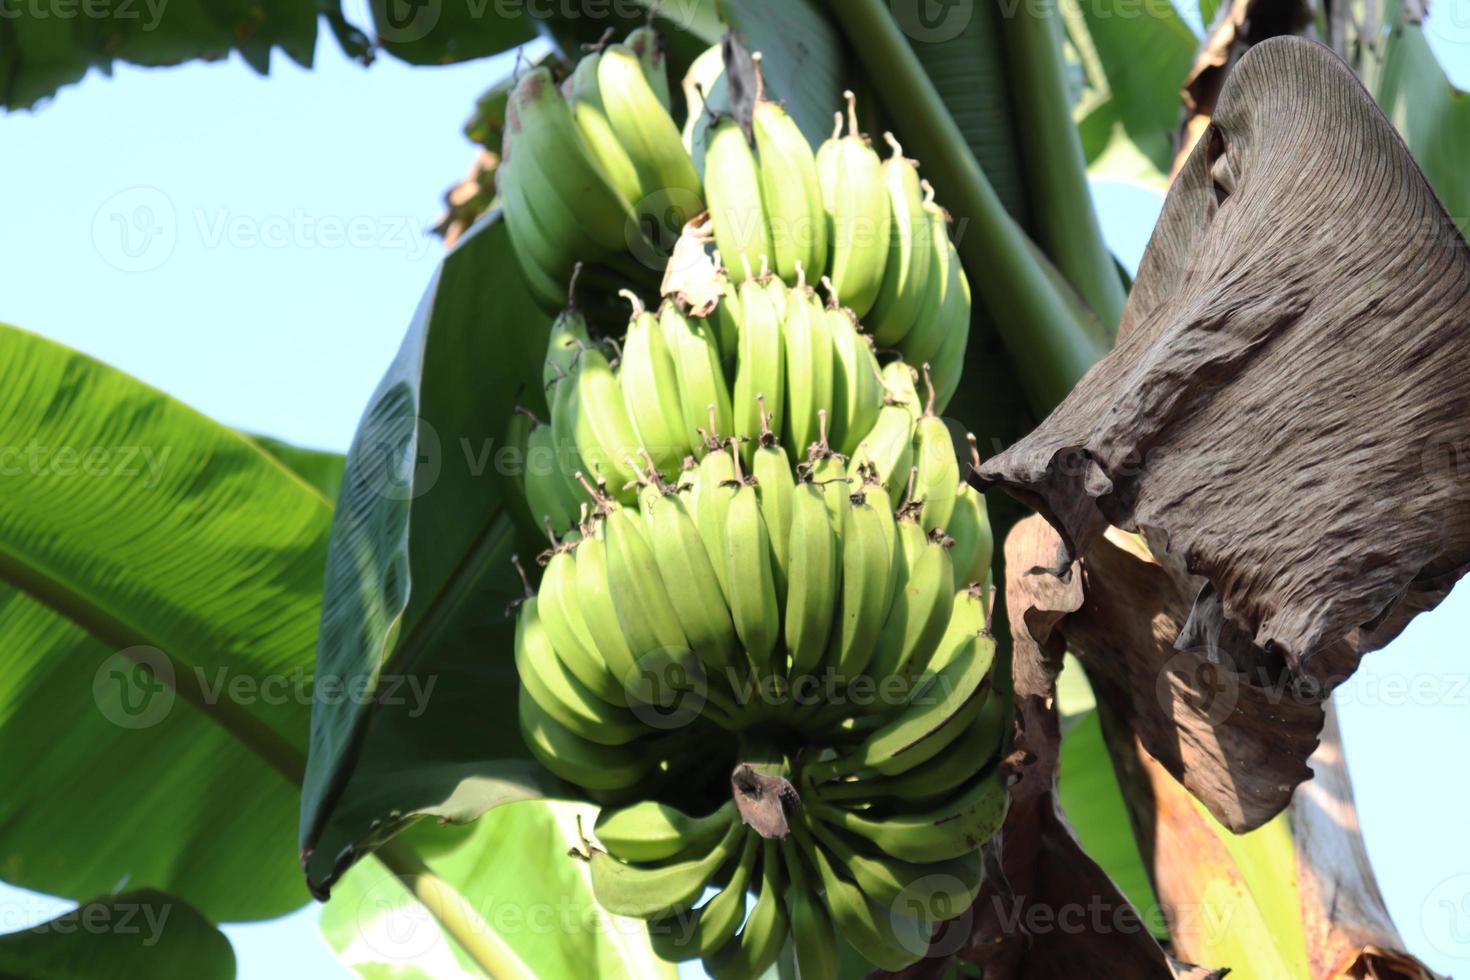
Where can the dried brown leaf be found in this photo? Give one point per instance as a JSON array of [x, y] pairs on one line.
[[1292, 381], [1047, 910]]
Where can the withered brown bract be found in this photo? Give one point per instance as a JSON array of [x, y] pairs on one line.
[[764, 801], [1290, 392]]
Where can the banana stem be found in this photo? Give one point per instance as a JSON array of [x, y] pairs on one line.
[[454, 914], [1065, 222], [1053, 346]]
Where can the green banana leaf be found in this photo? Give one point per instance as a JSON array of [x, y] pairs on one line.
[[138, 935], [441, 32], [1430, 114], [1132, 58], [965, 58], [44, 50], [318, 467], [159, 585], [803, 64], [414, 608], [513, 869], [1092, 799], [1094, 806]]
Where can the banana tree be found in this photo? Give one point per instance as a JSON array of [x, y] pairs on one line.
[[387, 611]]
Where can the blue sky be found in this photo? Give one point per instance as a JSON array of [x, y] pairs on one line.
[[298, 207]]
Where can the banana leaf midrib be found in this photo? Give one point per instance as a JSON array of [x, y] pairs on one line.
[[116, 633]]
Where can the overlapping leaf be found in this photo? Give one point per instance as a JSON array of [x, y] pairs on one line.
[[43, 49], [419, 574], [515, 875], [159, 584], [138, 935], [1133, 59]]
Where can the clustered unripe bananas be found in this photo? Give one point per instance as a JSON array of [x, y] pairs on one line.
[[759, 636]]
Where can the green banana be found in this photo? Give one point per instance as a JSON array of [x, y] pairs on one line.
[[899, 382], [807, 334], [937, 470], [649, 47], [551, 161], [644, 611], [812, 935], [726, 322], [949, 363], [750, 577], [550, 496], [563, 345], [558, 692], [857, 393], [930, 781], [859, 215], [651, 831], [868, 573], [756, 949], [715, 489], [967, 619], [669, 182], [595, 597], [705, 73], [947, 308], [606, 440], [828, 469], [561, 611], [659, 890], [775, 487], [693, 587], [947, 887], [564, 349], [867, 926], [906, 273], [650, 386], [888, 449], [761, 367], [955, 826], [604, 768], [812, 579], [969, 526], [941, 708], [733, 189], [691, 934], [791, 193], [696, 355], [585, 97], [547, 248], [922, 602]]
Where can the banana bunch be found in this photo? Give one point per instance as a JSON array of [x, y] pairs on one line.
[[882, 845], [749, 598], [595, 171], [668, 385], [763, 555]]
